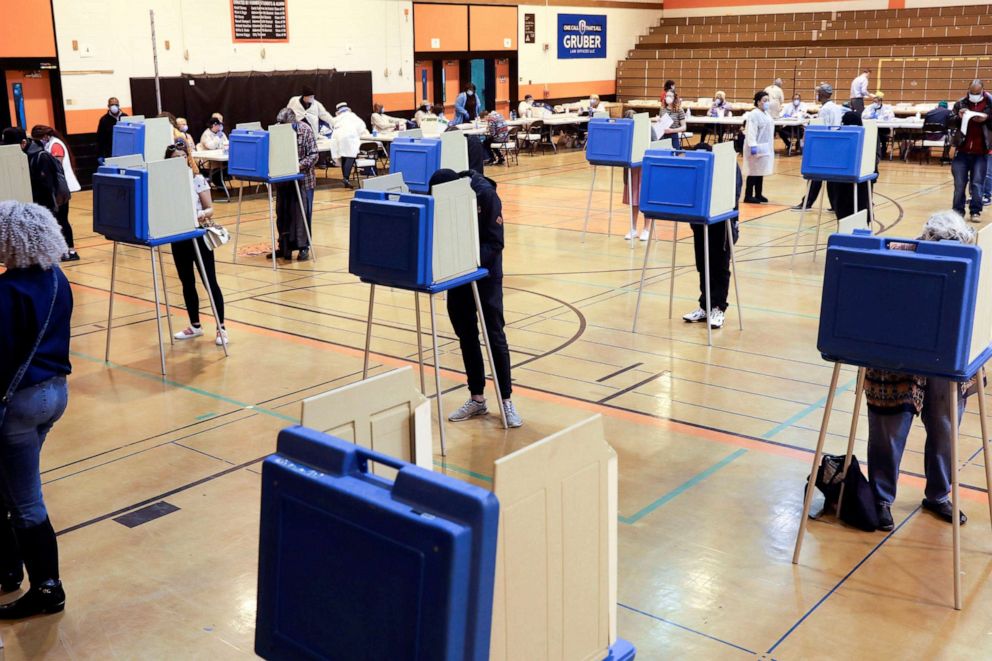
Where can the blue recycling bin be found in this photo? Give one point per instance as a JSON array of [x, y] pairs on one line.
[[248, 154], [353, 566], [834, 153], [128, 138], [907, 310], [417, 159], [610, 142], [678, 185]]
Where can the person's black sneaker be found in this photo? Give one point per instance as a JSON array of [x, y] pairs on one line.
[[304, 255], [751, 200], [944, 510], [975, 217], [268, 255], [71, 256], [762, 199], [885, 517], [347, 184], [47, 598]]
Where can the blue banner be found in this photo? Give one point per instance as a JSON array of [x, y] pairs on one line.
[[581, 36]]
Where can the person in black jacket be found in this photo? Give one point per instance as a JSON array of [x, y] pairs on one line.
[[105, 129], [462, 310], [44, 168], [35, 311]]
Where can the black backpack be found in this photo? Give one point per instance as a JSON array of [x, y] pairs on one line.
[[859, 508], [60, 191]]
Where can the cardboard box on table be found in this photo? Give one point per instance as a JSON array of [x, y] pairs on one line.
[[258, 154], [15, 176], [384, 413], [141, 203], [414, 241], [689, 185], [138, 135]]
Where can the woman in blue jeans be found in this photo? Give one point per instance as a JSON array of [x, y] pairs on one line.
[[35, 310], [894, 399]]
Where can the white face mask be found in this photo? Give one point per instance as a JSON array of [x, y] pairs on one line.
[[796, 102], [669, 98], [469, 93], [115, 109], [878, 104], [975, 98]]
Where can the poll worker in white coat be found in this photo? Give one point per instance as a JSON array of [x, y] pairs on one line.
[[881, 112], [307, 107], [55, 145], [759, 149], [348, 129]]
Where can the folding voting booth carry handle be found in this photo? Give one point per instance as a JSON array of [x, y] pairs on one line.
[[310, 447]]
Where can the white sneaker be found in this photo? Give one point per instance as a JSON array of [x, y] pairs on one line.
[[469, 409], [697, 315], [221, 339], [513, 419], [630, 235], [189, 333], [644, 235], [716, 318]]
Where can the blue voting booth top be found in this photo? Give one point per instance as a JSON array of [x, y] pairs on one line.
[[353, 566], [417, 159], [905, 310], [834, 153], [248, 157], [610, 142], [128, 138], [676, 185], [120, 208]]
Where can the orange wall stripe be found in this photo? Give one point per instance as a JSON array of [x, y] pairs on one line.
[[395, 100], [85, 120], [897, 4]]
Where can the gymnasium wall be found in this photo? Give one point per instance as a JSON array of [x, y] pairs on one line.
[[675, 8]]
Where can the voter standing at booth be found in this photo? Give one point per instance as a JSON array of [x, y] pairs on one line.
[[759, 149], [289, 222], [894, 399], [462, 310], [841, 193]]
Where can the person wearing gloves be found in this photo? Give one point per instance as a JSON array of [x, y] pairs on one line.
[[796, 109], [307, 107], [894, 399], [881, 112], [468, 105], [462, 310], [384, 123], [759, 149], [346, 139]]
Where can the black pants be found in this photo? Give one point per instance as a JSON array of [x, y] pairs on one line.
[[753, 187], [347, 163], [719, 263], [814, 192], [462, 312], [62, 216], [842, 197], [491, 154], [185, 259], [790, 133]]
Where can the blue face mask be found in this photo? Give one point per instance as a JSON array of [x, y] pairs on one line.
[[766, 105]]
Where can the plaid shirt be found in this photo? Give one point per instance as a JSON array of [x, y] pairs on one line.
[[497, 126], [306, 151]]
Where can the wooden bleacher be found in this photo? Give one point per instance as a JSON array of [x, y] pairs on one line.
[[743, 54]]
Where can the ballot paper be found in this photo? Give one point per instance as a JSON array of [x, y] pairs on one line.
[[968, 116], [664, 123]]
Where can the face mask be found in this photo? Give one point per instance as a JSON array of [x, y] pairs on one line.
[[183, 128], [975, 98], [719, 102], [469, 93], [669, 98], [796, 102], [765, 105], [878, 104], [219, 128], [307, 101], [115, 109]]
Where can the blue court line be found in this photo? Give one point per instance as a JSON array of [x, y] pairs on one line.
[[682, 488], [791, 420], [685, 628]]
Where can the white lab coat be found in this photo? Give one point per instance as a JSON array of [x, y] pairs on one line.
[[70, 175], [883, 114], [791, 111], [759, 132], [348, 129], [775, 93], [313, 115]]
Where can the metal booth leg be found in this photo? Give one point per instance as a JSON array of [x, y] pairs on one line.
[[306, 226], [489, 353], [729, 233], [110, 309], [871, 203], [368, 334], [206, 285], [802, 216], [855, 418], [158, 311], [983, 413], [237, 223], [592, 187], [644, 268], [609, 218], [272, 225], [671, 272], [952, 403], [706, 277], [817, 457], [819, 221], [437, 375], [420, 341], [633, 220], [165, 294]]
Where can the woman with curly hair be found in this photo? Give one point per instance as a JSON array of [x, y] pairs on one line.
[[35, 310]]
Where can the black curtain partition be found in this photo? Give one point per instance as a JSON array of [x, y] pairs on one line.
[[250, 96]]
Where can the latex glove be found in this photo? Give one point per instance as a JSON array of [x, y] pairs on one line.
[[325, 130], [754, 151]]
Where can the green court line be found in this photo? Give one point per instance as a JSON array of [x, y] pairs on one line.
[[682, 488], [464, 471]]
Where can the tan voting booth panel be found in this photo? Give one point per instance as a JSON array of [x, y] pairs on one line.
[[641, 138], [170, 198], [389, 183], [158, 135], [283, 155], [724, 191], [454, 151], [456, 230], [869, 147], [981, 334], [856, 221], [15, 178], [385, 413], [555, 591]]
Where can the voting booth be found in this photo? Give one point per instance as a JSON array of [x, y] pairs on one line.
[[138, 135], [908, 306], [417, 159], [149, 205], [615, 143], [266, 157], [15, 177], [354, 566], [837, 154], [424, 244], [698, 187]]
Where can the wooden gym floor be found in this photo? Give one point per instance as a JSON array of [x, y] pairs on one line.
[[714, 443]]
